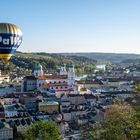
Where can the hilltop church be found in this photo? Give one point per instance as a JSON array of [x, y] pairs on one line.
[[50, 83]]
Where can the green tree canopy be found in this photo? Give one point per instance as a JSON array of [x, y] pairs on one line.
[[43, 130]]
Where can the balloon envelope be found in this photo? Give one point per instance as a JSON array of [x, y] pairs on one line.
[[10, 40]]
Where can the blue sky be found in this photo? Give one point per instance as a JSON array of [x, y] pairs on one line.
[[75, 25]]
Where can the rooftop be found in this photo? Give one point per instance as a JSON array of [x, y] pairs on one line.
[[50, 77], [54, 84], [48, 103], [30, 78], [3, 124], [90, 82]]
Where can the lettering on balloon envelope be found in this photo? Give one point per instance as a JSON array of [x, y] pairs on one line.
[[9, 43]]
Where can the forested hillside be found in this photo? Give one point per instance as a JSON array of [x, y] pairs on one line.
[[106, 57], [51, 62]]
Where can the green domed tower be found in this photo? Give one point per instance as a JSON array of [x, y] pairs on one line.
[[38, 70]]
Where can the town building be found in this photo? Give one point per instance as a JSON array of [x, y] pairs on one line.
[[88, 84], [6, 132], [50, 83], [49, 106], [6, 90], [21, 125], [29, 83], [10, 111], [4, 78], [28, 100], [60, 83], [2, 114]]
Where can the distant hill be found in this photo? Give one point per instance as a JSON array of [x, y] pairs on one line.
[[134, 61], [84, 62], [112, 57], [51, 62]]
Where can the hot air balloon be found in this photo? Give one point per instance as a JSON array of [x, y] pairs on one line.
[[10, 40]]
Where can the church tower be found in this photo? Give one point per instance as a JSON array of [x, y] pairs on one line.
[[63, 70], [71, 75], [38, 70]]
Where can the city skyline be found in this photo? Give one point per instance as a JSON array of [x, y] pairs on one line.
[[76, 25]]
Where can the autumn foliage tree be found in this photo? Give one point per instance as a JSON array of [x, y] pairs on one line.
[[122, 123]]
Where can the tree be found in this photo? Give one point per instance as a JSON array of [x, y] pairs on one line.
[[122, 123], [136, 119], [138, 88], [43, 130], [83, 89]]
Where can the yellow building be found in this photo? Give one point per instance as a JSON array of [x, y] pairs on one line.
[[49, 106]]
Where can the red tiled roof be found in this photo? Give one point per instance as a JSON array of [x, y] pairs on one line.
[[54, 84], [45, 86], [4, 76], [89, 82], [49, 77], [60, 90]]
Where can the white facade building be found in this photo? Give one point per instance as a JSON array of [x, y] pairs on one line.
[[63, 70], [64, 82], [54, 83]]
